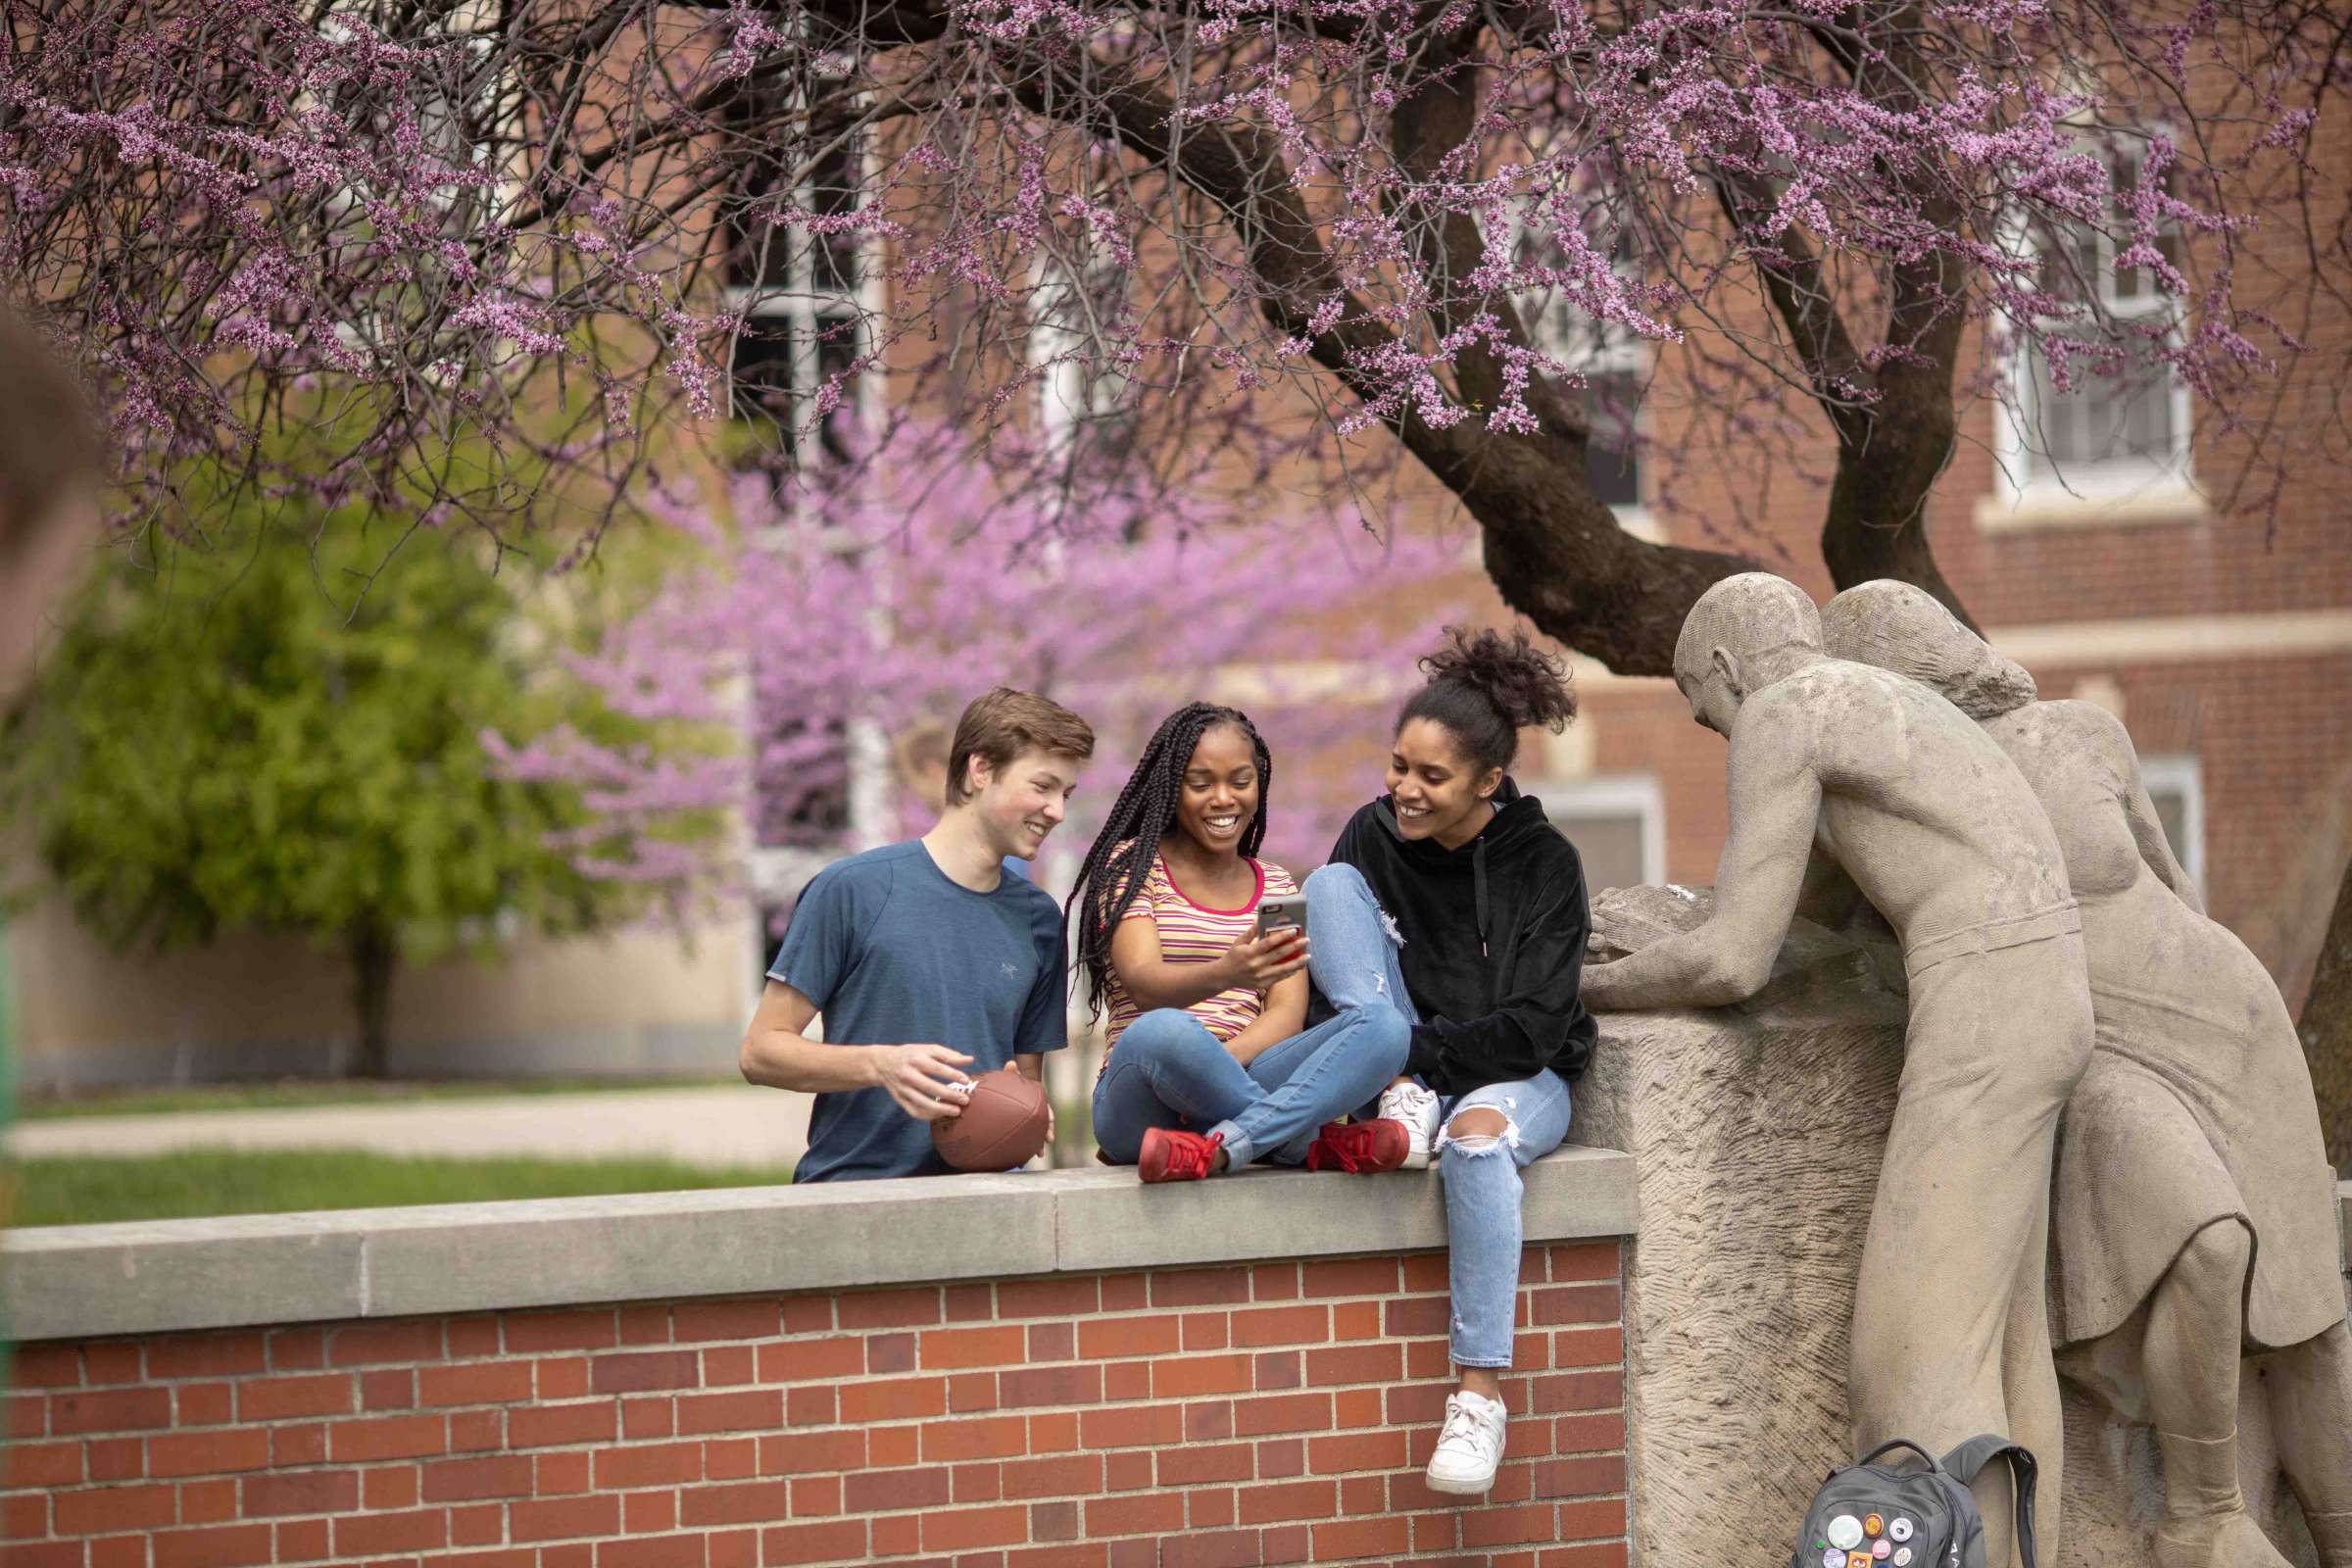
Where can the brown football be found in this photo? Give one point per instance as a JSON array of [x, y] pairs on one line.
[[1002, 1125]]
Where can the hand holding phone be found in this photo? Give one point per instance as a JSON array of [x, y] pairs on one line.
[[1276, 947], [1285, 911]]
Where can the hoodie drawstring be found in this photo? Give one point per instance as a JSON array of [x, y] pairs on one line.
[[1478, 876]]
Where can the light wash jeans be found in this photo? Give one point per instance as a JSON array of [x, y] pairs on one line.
[[1354, 965], [1167, 1070]]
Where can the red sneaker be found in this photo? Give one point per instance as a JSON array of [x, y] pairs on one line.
[[1361, 1147], [1169, 1155]]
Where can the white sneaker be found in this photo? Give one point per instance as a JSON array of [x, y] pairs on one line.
[[1469, 1448], [1416, 1108]]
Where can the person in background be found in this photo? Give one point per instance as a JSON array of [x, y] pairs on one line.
[[919, 760]]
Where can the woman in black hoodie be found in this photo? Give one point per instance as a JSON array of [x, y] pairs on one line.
[[1455, 899]]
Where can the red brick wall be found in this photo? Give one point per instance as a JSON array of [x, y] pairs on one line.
[[1268, 1415]]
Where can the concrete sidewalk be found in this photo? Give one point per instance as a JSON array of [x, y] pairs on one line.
[[722, 1126]]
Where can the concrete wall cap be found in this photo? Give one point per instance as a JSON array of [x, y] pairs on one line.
[[160, 1276]]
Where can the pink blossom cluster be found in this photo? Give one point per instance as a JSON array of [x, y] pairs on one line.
[[890, 602]]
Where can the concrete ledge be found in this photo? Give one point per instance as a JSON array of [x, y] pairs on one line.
[[77, 1282]]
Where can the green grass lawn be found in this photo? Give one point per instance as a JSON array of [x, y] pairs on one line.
[[199, 1182], [294, 1091]]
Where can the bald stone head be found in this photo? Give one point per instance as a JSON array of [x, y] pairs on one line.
[[1744, 633], [1904, 628]]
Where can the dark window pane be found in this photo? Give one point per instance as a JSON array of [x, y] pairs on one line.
[[762, 372], [760, 253], [833, 191], [836, 352], [1613, 458]]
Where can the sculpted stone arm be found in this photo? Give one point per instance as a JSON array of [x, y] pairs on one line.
[[1776, 802]]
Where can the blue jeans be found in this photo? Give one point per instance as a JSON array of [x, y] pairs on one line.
[[1167, 1070], [1354, 965]]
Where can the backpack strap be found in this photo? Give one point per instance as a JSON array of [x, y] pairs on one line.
[[1969, 1461]]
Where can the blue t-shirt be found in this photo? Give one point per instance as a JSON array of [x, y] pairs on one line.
[[894, 952]]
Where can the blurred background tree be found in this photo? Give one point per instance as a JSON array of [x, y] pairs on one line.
[[281, 733]]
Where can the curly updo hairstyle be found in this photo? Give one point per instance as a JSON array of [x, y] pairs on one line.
[[1486, 687]]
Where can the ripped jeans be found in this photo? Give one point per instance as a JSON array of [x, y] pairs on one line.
[[1354, 965]]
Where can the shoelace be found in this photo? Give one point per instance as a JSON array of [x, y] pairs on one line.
[[1335, 1149], [1461, 1426], [1191, 1158], [1415, 1100]]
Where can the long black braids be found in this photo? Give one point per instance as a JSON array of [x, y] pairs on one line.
[[1120, 857]]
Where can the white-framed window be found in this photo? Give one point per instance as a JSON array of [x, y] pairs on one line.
[[808, 299], [2176, 786], [1617, 823], [2116, 431], [1085, 407], [1614, 364]]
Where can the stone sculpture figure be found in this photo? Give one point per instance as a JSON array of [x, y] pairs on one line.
[[2194, 1210], [1937, 829]]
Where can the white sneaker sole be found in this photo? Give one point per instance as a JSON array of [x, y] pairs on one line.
[[1459, 1489], [1416, 1160]]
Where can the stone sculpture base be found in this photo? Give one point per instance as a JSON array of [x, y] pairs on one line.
[[1756, 1133]]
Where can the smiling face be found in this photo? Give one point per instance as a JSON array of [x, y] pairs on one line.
[[1220, 792], [1438, 792], [1018, 804]]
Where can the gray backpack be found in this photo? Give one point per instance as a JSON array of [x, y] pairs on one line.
[[1872, 1515]]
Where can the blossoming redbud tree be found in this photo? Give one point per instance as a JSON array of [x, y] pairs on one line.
[[1281, 224]]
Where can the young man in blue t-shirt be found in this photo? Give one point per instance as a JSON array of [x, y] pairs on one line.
[[928, 963]]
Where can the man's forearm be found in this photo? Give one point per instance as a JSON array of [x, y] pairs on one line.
[[778, 1059]]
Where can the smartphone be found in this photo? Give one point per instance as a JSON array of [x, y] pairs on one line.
[[1284, 911]]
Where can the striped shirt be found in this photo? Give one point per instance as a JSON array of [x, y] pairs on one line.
[[1192, 933]]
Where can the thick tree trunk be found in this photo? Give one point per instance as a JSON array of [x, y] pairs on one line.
[[374, 955], [2327, 1028], [1875, 523]]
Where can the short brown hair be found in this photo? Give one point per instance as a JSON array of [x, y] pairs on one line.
[[1004, 725], [48, 440]]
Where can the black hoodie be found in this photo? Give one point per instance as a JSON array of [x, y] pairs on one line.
[[1493, 942]]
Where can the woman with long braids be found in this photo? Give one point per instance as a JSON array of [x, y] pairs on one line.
[[1454, 898], [1208, 1069]]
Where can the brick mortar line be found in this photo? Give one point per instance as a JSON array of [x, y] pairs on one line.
[[696, 1390], [1121, 1314], [994, 1319]]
